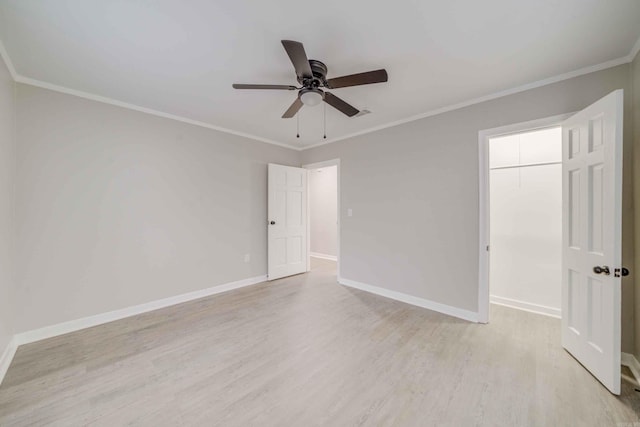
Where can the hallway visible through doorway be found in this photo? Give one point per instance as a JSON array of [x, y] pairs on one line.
[[323, 213]]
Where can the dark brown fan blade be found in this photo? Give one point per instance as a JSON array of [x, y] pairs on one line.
[[377, 76], [293, 109], [243, 86], [339, 104], [298, 57]]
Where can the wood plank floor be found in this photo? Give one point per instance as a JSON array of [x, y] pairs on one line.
[[305, 351]]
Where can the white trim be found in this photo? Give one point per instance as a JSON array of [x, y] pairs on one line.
[[323, 164], [323, 256], [530, 125], [483, 199], [99, 319], [526, 306], [630, 361], [410, 299], [489, 97], [634, 52], [7, 61], [105, 100], [483, 218], [7, 357], [554, 79], [525, 165]]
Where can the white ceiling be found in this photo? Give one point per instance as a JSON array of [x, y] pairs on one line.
[[181, 57]]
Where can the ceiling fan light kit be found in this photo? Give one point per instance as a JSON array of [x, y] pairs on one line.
[[312, 76], [311, 97]]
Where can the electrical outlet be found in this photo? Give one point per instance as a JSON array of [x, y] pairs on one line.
[[247, 257]]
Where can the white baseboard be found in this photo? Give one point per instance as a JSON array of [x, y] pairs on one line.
[[98, 319], [7, 357], [323, 256], [409, 299], [630, 361], [526, 306]]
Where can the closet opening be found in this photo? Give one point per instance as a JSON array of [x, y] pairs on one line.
[[525, 220]]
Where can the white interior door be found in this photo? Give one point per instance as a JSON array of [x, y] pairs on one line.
[[287, 217], [592, 218]]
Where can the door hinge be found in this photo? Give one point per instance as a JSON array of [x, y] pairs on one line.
[[487, 248], [620, 272]]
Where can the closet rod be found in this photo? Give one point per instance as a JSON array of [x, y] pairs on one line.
[[526, 165]]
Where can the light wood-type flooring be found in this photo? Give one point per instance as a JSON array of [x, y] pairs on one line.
[[305, 351]]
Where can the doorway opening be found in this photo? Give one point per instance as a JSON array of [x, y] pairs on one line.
[[323, 216], [525, 220], [521, 217], [591, 249]]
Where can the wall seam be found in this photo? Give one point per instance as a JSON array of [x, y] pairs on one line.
[[14, 214]]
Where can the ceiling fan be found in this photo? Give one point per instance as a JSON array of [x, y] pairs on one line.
[[312, 75]]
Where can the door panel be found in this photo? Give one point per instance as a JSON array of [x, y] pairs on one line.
[[573, 196], [592, 218], [287, 221], [595, 211]]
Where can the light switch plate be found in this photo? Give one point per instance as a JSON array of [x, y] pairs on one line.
[[349, 212]]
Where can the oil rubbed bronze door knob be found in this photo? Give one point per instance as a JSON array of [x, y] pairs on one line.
[[601, 270]]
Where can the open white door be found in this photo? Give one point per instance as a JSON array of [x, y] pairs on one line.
[[287, 217], [591, 252]]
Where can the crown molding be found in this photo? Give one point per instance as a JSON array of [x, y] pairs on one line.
[[98, 98], [129, 106], [634, 50], [550, 80], [7, 61], [495, 95], [105, 100]]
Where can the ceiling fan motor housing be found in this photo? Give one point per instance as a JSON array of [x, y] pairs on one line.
[[319, 71]]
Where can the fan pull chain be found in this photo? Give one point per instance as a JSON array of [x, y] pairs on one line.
[[324, 114], [298, 125]]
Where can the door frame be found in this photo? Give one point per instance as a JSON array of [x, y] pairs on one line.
[[332, 162], [483, 199]]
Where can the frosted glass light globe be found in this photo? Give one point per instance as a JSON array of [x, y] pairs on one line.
[[311, 98]]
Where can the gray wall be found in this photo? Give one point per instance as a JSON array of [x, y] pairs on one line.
[[413, 189], [117, 208], [7, 175]]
